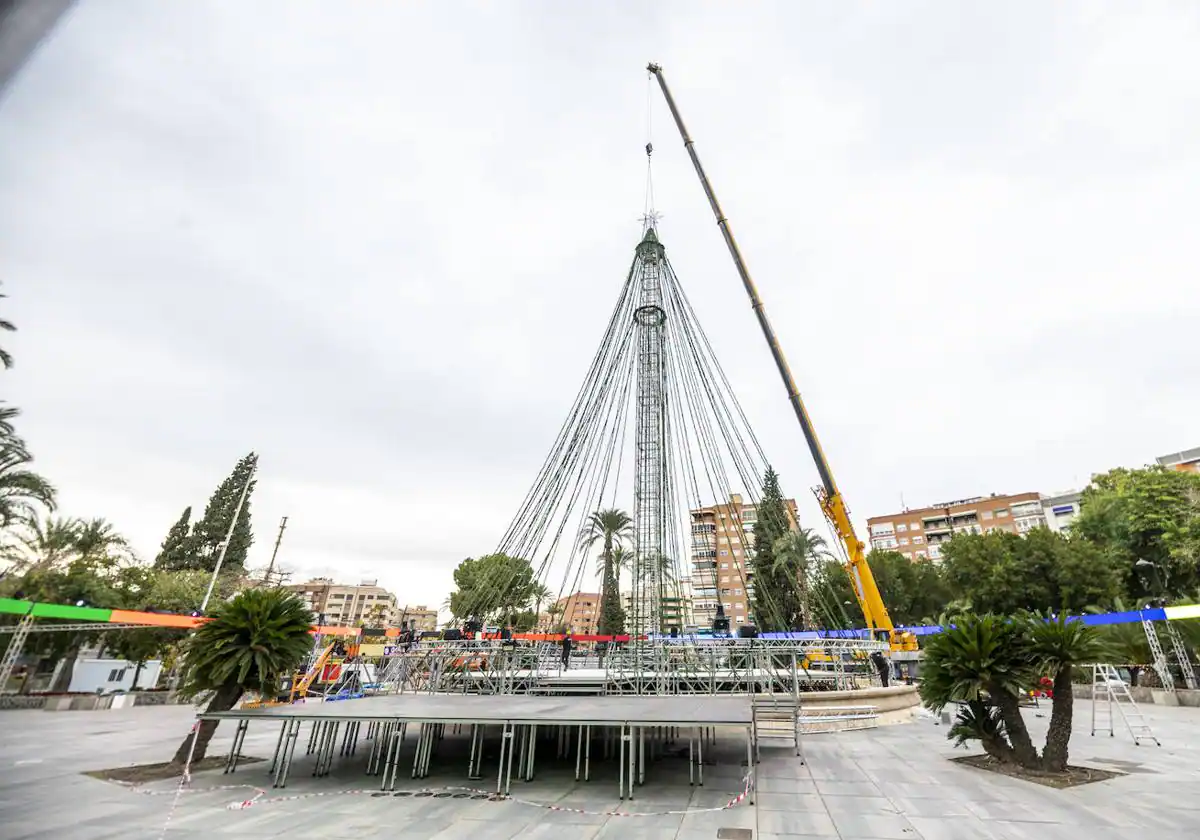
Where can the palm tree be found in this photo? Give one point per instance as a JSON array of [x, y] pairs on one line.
[[98, 538], [795, 553], [986, 663], [6, 360], [610, 527], [622, 559], [1060, 644], [22, 492], [252, 642], [539, 593], [50, 542]]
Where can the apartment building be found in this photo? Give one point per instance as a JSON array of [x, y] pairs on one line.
[[347, 605], [420, 618], [918, 534], [1186, 461], [1060, 509], [578, 612], [676, 608], [723, 560]]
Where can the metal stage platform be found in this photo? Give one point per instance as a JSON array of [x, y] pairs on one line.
[[715, 667], [632, 728]]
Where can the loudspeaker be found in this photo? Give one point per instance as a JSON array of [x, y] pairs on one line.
[[747, 631], [720, 625]]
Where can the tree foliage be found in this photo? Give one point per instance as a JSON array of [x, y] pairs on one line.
[[611, 528], [494, 585], [1151, 515], [23, 493], [252, 642], [202, 548], [178, 549], [776, 584], [1005, 573], [986, 663]]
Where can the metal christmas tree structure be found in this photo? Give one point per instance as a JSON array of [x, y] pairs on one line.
[[650, 475]]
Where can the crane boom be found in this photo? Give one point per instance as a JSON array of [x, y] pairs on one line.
[[832, 503]]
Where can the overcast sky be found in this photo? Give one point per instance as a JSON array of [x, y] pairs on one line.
[[378, 242]]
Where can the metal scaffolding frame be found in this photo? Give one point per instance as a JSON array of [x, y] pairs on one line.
[[650, 668]]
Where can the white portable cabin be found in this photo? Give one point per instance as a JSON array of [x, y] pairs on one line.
[[108, 675]]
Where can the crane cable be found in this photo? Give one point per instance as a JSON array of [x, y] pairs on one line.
[[649, 215]]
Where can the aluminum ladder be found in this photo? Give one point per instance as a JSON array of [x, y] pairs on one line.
[[1161, 666], [1183, 655], [1109, 691], [13, 652]]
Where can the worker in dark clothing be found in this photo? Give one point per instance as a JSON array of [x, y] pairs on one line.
[[567, 644], [882, 666]]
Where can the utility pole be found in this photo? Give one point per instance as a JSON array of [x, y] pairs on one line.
[[275, 551]]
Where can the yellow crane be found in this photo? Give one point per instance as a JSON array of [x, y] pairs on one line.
[[830, 498]]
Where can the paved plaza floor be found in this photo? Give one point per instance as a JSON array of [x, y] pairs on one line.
[[894, 782]]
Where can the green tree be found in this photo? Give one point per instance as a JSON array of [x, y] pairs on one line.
[[622, 561], [495, 585], [832, 597], [1004, 573], [540, 594], [792, 559], [98, 538], [776, 584], [1151, 515], [912, 589], [252, 642], [610, 528], [178, 549], [988, 662], [376, 617], [23, 493], [6, 360], [209, 533], [143, 587], [1059, 646]]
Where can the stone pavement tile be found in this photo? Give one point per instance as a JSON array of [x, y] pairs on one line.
[[785, 822], [1015, 810], [665, 825], [859, 805], [852, 826], [773, 784], [828, 788], [929, 807], [465, 830], [1059, 831], [810, 802], [743, 816], [916, 790], [545, 831], [955, 828], [408, 829]]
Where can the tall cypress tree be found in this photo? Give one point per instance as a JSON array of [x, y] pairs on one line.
[[177, 551], [771, 590], [210, 531]]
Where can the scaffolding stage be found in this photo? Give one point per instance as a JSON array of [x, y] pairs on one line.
[[634, 728], [725, 667]]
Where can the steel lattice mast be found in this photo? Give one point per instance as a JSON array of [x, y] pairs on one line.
[[651, 459]]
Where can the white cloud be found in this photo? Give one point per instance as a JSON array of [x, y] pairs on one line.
[[379, 243]]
